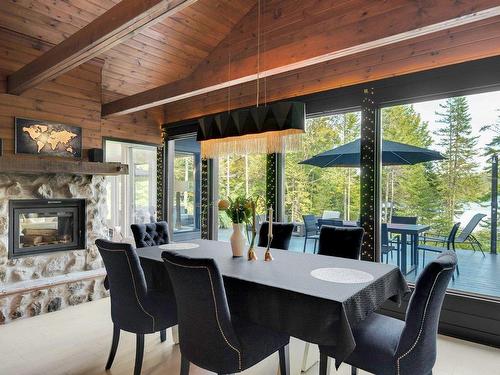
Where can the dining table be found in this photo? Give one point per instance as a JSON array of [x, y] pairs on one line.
[[316, 298]]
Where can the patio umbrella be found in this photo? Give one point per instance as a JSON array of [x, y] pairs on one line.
[[393, 153]]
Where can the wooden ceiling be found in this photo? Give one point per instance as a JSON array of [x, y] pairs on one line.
[[209, 45], [163, 53]]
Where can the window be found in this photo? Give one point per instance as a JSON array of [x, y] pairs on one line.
[[328, 192], [241, 176], [444, 193], [131, 198]]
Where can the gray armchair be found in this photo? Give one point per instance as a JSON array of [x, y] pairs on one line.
[[388, 346]]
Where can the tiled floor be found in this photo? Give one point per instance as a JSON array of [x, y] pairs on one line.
[[76, 341]]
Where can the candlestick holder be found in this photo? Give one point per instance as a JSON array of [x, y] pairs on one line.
[[252, 255], [268, 256]]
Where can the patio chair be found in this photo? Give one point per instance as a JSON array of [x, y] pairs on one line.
[[330, 215], [465, 236], [387, 245], [411, 220], [330, 222], [404, 219], [310, 230], [450, 245]]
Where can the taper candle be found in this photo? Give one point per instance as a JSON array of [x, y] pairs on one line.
[[270, 233]]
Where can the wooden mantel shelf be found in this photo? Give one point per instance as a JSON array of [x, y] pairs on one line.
[[32, 165]]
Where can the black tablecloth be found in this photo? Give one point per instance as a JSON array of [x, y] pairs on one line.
[[283, 295]]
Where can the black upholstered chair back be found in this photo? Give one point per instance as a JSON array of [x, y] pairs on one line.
[[127, 287], [150, 234], [206, 335], [416, 353], [344, 242], [404, 219], [282, 233]]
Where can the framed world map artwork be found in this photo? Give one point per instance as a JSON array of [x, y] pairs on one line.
[[47, 138]]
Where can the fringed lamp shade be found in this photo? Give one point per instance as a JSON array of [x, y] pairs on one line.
[[265, 129]]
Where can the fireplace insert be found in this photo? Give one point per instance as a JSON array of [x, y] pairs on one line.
[[38, 226]]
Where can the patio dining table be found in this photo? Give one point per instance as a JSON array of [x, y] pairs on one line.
[[405, 230], [316, 298]]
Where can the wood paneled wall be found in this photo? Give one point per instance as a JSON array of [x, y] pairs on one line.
[[469, 42], [74, 98]]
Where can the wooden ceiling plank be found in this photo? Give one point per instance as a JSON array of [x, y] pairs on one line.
[[121, 22], [188, 88]]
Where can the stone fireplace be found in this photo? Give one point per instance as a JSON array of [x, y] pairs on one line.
[[48, 226]]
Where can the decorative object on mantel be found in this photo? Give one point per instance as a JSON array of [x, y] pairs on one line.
[[37, 165], [38, 137], [268, 256], [270, 128], [239, 211], [96, 155]]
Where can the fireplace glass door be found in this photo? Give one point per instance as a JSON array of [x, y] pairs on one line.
[[45, 227]]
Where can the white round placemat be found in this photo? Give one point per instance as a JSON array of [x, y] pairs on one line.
[[179, 246], [342, 275]]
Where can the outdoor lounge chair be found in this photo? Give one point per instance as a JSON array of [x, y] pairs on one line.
[[465, 236], [450, 245]]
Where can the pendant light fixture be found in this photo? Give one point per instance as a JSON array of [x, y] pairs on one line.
[[271, 128]]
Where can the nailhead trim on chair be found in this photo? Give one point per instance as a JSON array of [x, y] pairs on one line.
[[215, 304], [133, 282], [423, 321]]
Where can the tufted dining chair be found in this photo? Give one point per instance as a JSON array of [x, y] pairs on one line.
[[153, 234], [344, 242], [388, 346], [282, 233], [150, 234], [134, 307], [210, 337]]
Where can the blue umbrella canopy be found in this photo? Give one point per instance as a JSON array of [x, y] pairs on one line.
[[393, 153]]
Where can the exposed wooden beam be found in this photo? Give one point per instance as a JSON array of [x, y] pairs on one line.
[[123, 21], [189, 87]]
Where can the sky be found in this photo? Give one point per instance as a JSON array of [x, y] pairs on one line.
[[483, 110]]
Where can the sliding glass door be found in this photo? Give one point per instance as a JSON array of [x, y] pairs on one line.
[[130, 198], [185, 197]]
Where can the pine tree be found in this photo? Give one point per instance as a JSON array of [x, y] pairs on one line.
[[410, 189], [458, 179]]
